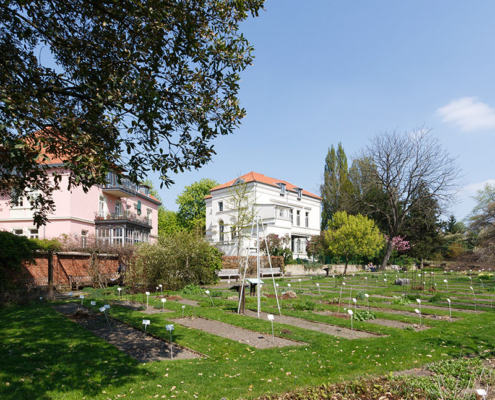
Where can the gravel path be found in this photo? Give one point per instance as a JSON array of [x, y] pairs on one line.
[[137, 344], [255, 339], [316, 326]]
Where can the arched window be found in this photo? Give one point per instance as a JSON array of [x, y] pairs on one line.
[[221, 229]]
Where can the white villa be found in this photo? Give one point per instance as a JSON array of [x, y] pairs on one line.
[[282, 207]]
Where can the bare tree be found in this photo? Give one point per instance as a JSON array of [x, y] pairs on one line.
[[398, 173]]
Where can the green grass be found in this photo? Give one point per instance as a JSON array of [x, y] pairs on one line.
[[45, 355]]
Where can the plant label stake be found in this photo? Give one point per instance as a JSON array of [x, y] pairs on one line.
[[418, 312], [368, 299], [163, 304], [450, 311], [170, 328], [300, 283], [147, 298], [355, 303], [120, 290], [183, 310], [319, 290], [208, 293], [271, 318], [146, 322], [82, 299], [447, 283], [104, 311], [340, 296], [41, 299], [419, 302], [351, 313], [288, 285], [282, 299], [93, 303], [161, 288], [70, 294], [482, 393]]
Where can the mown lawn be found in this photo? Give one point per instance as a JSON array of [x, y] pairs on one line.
[[45, 355]]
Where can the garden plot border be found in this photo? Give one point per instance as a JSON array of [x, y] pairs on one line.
[[255, 339], [322, 327], [143, 347]]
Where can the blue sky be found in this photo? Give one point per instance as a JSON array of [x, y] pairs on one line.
[[341, 71]]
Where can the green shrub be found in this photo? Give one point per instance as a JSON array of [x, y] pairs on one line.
[[402, 300], [439, 297], [216, 293], [192, 289], [364, 315], [361, 295], [304, 305]]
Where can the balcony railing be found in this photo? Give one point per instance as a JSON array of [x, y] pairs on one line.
[[125, 188], [123, 216]]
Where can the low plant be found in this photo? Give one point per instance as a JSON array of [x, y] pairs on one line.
[[361, 295], [192, 289], [401, 301], [364, 315], [439, 297], [304, 305], [216, 293]]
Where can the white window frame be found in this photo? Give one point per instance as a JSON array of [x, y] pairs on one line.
[[32, 235], [220, 206], [102, 206], [282, 189], [16, 230], [306, 220], [298, 218]]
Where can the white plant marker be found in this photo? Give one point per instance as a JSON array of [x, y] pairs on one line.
[[300, 283], [208, 293], [170, 328], [82, 299], [368, 299], [419, 302], [161, 288], [288, 285], [482, 393], [351, 313], [71, 294], [447, 283], [163, 304], [319, 290], [355, 303], [146, 322], [120, 290], [450, 310], [474, 295], [93, 303], [41, 299], [147, 298], [271, 318], [340, 296], [183, 307], [418, 312], [104, 311]]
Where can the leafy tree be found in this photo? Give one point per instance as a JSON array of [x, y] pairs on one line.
[[277, 246], [316, 247], [410, 169], [336, 184], [168, 222], [92, 85], [353, 235], [176, 260], [241, 206], [14, 251], [483, 198], [192, 206]]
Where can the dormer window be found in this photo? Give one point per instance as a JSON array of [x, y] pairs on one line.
[[299, 193], [282, 189]]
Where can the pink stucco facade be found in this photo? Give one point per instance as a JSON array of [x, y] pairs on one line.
[[120, 213]]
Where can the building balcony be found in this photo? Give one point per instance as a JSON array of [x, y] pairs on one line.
[[115, 218], [123, 189]]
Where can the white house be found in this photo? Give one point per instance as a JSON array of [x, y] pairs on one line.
[[282, 207]]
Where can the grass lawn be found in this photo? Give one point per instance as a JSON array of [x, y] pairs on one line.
[[45, 355]]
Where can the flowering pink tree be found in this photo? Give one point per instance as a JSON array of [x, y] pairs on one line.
[[399, 243]]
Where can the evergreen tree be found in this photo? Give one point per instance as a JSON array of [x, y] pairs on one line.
[[336, 184]]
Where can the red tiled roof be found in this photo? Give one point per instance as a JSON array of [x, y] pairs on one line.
[[256, 177]]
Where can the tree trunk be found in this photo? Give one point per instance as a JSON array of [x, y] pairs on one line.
[[50, 274], [388, 253], [346, 262]]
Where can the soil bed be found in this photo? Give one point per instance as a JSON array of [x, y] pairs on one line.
[[187, 302], [143, 347], [316, 326], [396, 324], [410, 313], [251, 338]]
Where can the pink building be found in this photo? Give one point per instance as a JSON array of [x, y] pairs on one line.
[[115, 213]]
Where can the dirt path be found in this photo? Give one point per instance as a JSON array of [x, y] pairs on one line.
[[316, 326], [396, 324], [135, 343], [255, 339]]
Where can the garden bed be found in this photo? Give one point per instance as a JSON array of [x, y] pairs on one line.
[[135, 343], [317, 326], [397, 324], [251, 338]]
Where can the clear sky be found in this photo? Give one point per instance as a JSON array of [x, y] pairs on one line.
[[341, 71]]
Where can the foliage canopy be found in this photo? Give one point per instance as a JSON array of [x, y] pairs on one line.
[[143, 85]]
